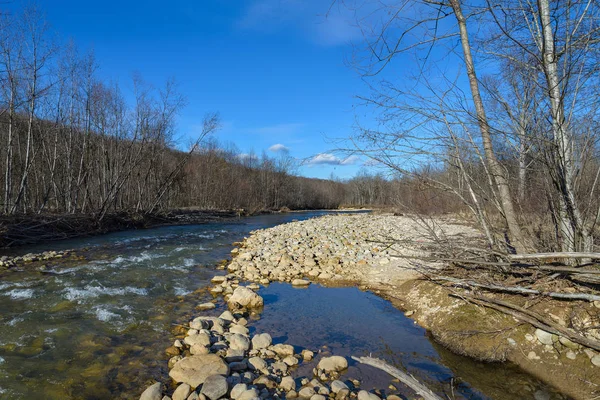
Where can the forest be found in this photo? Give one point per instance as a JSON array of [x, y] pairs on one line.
[[74, 144]]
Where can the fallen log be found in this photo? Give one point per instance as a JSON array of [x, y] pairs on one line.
[[519, 290], [403, 377], [530, 317]]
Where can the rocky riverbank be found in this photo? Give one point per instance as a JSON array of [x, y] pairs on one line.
[[7, 262], [373, 252], [218, 358]]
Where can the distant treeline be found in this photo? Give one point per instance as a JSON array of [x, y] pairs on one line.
[[71, 143]]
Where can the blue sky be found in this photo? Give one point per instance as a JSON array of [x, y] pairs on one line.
[[274, 69]]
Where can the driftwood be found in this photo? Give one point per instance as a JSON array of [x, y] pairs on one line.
[[520, 290], [548, 256], [403, 377], [532, 318], [515, 267], [586, 278]]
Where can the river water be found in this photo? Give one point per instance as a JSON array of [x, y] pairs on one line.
[[96, 327]]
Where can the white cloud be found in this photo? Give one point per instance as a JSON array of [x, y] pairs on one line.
[[330, 159], [276, 148]]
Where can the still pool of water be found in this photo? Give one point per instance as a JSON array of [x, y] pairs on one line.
[[97, 328]]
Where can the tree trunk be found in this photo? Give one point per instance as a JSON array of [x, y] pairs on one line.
[[516, 235]]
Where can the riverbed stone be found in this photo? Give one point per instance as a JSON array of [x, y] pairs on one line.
[[198, 349], [261, 341], [237, 390], [238, 365], [338, 385], [279, 367], [283, 350], [287, 383], [265, 381], [546, 338], [306, 392], [234, 355], [214, 387], [201, 323], [243, 297], [195, 369], [257, 364], [290, 361], [153, 392], [242, 330], [364, 395], [172, 351], [307, 355], [300, 282], [568, 343], [205, 306], [333, 364], [250, 394], [182, 392], [239, 342], [200, 338], [227, 316]]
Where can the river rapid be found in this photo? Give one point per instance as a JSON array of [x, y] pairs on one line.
[[97, 327]]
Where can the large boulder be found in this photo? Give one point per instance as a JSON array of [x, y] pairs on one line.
[[195, 369], [243, 297]]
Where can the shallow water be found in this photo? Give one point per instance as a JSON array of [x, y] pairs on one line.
[[97, 328], [350, 322]]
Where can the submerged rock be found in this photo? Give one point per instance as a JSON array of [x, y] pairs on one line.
[[205, 306]]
